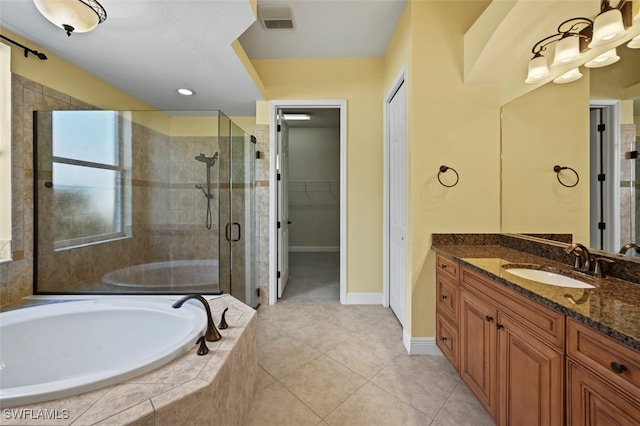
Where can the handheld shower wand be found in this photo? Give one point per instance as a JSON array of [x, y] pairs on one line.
[[210, 162]]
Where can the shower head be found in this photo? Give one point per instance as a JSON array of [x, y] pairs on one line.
[[209, 161]]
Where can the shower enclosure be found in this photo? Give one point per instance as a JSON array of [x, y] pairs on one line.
[[143, 202]]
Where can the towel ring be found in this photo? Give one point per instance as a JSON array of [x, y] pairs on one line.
[[443, 169], [558, 169]]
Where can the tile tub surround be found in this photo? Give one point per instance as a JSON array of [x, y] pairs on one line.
[[216, 388], [612, 308]]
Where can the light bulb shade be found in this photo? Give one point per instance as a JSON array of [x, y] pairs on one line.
[[568, 77], [538, 69], [567, 51], [634, 43], [81, 15], [607, 27], [607, 58]]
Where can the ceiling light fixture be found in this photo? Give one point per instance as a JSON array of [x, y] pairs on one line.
[[576, 35], [185, 92], [79, 16], [290, 117]]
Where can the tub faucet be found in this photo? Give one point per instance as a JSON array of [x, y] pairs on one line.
[[625, 248], [583, 257], [212, 333]]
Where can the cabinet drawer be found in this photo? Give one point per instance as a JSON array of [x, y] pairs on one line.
[[615, 362], [447, 266], [543, 322], [448, 296], [447, 339]]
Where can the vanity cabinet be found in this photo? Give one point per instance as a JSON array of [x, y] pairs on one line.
[[603, 379], [511, 353], [447, 308]]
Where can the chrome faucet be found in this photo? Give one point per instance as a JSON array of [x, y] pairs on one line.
[[583, 257], [625, 248], [212, 333]]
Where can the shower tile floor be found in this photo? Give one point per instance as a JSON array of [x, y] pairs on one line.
[[313, 276], [323, 363]]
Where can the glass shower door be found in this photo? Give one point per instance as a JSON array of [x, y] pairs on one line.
[[243, 227]]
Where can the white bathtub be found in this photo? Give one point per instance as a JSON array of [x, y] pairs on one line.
[[63, 349], [168, 275]]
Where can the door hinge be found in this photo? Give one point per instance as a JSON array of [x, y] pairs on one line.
[[279, 128], [278, 225], [601, 177], [602, 225], [278, 176], [632, 155], [601, 127], [278, 274], [258, 292]]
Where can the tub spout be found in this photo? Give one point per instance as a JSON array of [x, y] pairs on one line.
[[212, 333]]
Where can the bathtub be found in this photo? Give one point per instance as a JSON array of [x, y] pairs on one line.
[[168, 275], [63, 349]]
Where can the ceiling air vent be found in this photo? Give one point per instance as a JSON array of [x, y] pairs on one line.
[[276, 17]]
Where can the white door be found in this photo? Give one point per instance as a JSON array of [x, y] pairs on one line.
[[397, 201], [282, 168]]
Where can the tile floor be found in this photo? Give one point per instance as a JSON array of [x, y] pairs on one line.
[[313, 276], [323, 363]]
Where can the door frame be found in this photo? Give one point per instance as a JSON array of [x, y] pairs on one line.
[[340, 104], [611, 202], [386, 244]]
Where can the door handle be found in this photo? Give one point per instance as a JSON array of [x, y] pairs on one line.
[[227, 231], [239, 232], [289, 222]]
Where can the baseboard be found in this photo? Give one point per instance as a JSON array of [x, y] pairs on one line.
[[364, 299], [314, 248], [420, 345]]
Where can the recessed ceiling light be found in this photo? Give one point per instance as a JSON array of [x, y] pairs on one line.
[[185, 92]]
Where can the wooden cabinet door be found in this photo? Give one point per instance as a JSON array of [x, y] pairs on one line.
[[530, 377], [590, 402], [478, 348]]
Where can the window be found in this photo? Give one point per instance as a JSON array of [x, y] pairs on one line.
[[88, 196]]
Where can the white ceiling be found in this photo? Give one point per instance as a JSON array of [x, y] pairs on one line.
[[150, 48]]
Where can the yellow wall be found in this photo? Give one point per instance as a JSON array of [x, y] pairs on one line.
[[69, 79], [546, 127], [450, 124], [359, 82]]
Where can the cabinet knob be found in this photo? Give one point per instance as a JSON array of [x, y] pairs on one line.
[[444, 339], [618, 368], [443, 266], [444, 297], [499, 326], [489, 318]]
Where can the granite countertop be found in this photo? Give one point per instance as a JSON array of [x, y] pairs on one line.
[[612, 307]]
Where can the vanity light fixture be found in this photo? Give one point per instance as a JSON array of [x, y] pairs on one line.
[[568, 37], [607, 58], [73, 16], [185, 92], [576, 35], [608, 25], [568, 77], [296, 117]]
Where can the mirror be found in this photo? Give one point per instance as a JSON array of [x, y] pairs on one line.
[[552, 126]]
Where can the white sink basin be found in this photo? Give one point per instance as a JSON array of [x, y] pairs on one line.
[[547, 277]]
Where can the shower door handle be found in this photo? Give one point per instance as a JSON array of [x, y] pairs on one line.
[[227, 231], [239, 232]]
